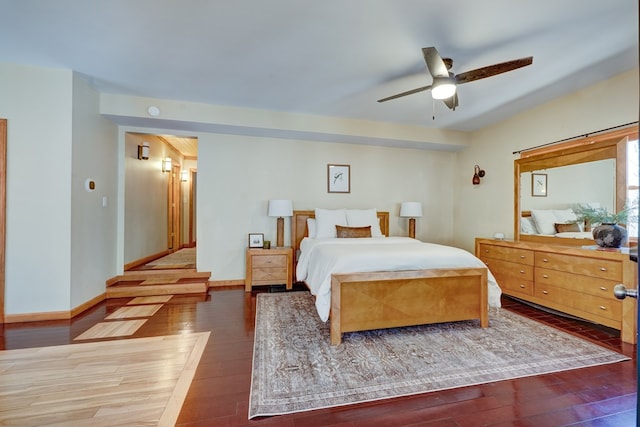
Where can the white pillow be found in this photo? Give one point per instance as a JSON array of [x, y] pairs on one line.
[[545, 221], [527, 226], [311, 228], [326, 221], [363, 218]]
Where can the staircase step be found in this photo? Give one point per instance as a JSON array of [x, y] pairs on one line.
[[126, 289], [179, 273]]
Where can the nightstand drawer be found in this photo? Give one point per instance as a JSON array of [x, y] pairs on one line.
[[269, 273], [269, 261]]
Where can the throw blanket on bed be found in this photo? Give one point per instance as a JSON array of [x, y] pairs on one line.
[[320, 258]]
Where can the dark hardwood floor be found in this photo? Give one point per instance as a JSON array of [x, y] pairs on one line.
[[219, 394]]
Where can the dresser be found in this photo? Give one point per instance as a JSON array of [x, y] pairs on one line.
[[569, 279], [269, 267]]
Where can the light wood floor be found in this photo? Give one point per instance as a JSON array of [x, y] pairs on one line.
[[140, 381]]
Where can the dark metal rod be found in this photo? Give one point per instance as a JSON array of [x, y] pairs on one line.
[[586, 135]]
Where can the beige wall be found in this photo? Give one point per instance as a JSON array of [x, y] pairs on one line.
[[93, 214], [487, 208], [237, 176], [60, 241], [56, 140]]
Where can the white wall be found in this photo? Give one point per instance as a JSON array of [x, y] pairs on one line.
[[145, 202], [38, 105], [573, 185], [484, 209], [238, 175], [188, 165], [93, 226]]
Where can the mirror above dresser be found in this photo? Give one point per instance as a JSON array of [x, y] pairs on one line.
[[551, 181]]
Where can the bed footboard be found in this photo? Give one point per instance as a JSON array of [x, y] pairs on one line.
[[388, 299]]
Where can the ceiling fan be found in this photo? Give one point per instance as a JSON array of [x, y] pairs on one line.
[[445, 82]]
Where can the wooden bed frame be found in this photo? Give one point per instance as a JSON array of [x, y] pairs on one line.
[[389, 299]]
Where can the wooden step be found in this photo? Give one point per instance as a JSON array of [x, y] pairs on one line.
[[158, 282], [178, 273], [130, 289]]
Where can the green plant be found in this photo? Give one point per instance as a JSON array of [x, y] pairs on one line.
[[595, 216]]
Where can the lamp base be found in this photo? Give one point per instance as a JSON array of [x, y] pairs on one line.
[[280, 235], [412, 228]]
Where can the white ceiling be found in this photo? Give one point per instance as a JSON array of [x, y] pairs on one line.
[[329, 57]]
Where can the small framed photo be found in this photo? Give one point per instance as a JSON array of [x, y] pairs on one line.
[[256, 240], [338, 178], [539, 184]]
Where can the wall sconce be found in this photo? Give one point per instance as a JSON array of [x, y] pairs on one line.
[[143, 151], [280, 209], [411, 210], [184, 175], [166, 165], [477, 174]]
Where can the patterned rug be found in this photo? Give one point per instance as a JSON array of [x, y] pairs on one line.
[[296, 369], [182, 258]]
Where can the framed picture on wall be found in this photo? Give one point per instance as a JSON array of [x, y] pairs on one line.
[[256, 240], [338, 178], [539, 184]]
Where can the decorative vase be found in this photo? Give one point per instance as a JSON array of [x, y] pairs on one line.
[[609, 235]]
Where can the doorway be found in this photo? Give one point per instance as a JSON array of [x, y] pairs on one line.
[[158, 205]]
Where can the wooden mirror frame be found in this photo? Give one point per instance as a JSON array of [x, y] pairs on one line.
[[610, 145]]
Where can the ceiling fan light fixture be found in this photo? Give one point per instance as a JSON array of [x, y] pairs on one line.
[[443, 88]]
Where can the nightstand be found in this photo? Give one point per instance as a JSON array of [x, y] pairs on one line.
[[269, 267]]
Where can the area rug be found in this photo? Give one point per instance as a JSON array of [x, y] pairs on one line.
[[181, 258], [296, 369]]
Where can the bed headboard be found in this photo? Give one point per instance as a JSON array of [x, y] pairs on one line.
[[299, 226]]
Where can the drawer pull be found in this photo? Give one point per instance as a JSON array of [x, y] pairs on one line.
[[545, 292], [522, 286], [603, 269], [521, 271], [486, 251], [545, 276], [602, 307], [545, 260], [522, 257], [602, 288]]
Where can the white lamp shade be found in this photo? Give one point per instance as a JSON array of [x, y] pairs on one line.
[[280, 208], [411, 209]]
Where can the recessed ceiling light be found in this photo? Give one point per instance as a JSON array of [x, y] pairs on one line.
[[153, 111]]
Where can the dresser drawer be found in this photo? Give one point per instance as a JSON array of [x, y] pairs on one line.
[[520, 256], [594, 267], [269, 261], [603, 307], [575, 282], [511, 276]]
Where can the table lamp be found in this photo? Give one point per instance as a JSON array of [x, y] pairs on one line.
[[280, 209], [411, 210]]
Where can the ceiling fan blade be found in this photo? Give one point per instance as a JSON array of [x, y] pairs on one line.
[[452, 102], [434, 61], [492, 70], [409, 92]]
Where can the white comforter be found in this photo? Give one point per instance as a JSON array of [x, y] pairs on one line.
[[320, 258]]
